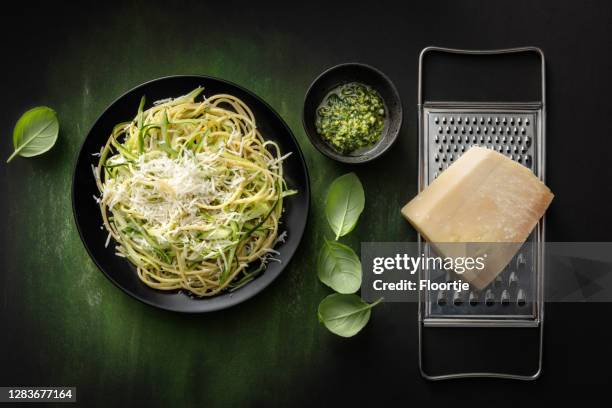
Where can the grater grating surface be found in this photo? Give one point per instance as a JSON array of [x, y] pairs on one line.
[[450, 132]]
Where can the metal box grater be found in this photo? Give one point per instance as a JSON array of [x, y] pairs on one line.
[[516, 129]]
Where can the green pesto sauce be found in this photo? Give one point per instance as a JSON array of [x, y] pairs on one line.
[[351, 117]]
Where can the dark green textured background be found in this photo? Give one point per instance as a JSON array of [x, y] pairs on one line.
[[63, 323]]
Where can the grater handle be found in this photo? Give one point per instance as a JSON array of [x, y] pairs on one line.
[[518, 50]]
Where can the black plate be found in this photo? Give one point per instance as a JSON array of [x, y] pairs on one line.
[[87, 213]]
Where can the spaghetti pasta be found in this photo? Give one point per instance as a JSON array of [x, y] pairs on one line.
[[192, 193]]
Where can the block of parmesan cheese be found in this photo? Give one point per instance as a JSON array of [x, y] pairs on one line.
[[483, 197]]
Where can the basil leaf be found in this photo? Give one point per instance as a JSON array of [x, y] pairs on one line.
[[35, 132], [339, 268], [345, 315], [345, 202]]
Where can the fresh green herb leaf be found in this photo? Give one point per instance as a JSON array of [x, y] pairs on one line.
[[35, 132], [344, 204], [339, 267], [345, 315]]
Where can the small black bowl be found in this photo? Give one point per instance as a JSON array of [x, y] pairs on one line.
[[343, 74]]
